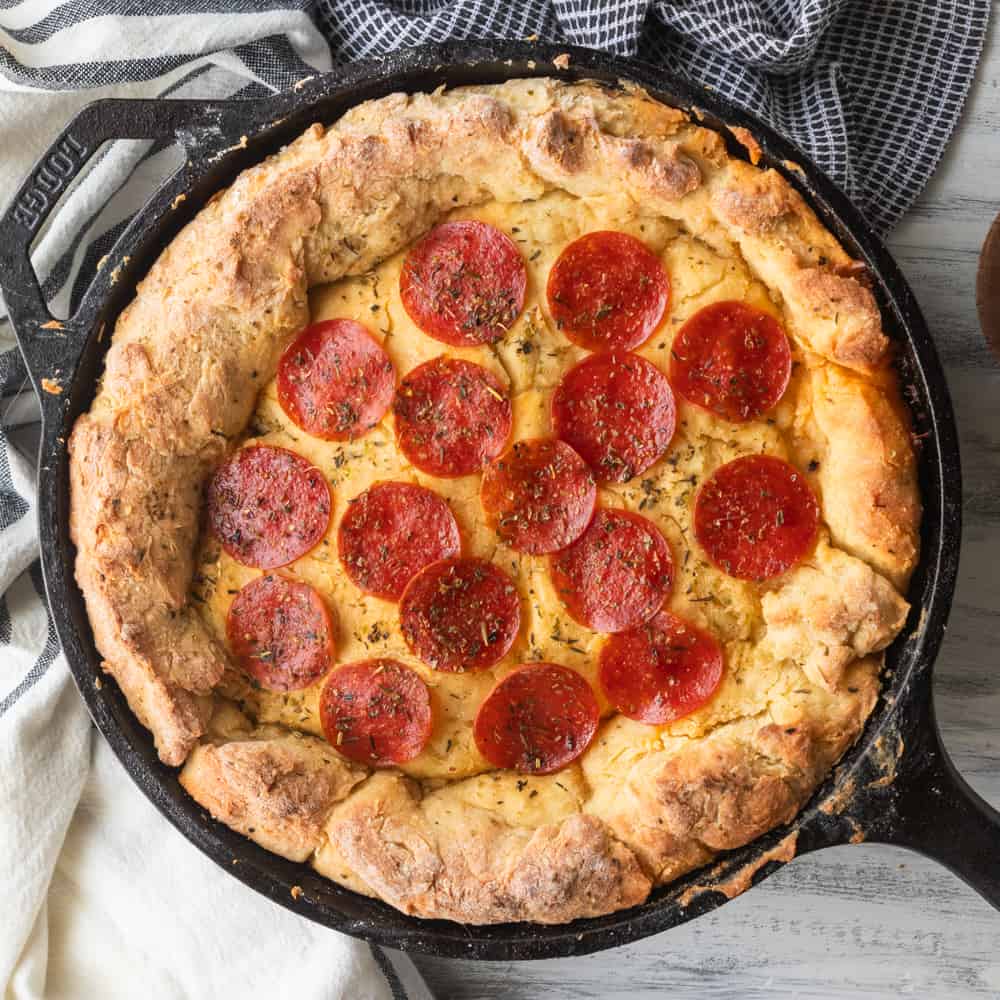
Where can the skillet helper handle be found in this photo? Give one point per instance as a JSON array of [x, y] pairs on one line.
[[939, 815], [192, 123]]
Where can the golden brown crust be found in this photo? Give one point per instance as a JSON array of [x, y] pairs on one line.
[[136, 533], [677, 808], [276, 788], [868, 472], [575, 154], [749, 142], [758, 202], [829, 309], [830, 611], [203, 336], [845, 322], [481, 870]]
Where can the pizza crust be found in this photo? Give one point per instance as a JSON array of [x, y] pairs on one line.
[[677, 808], [869, 472], [829, 612], [202, 338], [435, 855], [275, 787]]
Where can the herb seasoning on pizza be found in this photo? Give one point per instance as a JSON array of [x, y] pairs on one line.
[[537, 719], [335, 381], [617, 411], [460, 614], [608, 292], [539, 496], [390, 533]]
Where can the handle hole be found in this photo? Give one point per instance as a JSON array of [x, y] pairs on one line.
[[91, 210]]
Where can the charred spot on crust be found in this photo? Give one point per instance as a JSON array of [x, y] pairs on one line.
[[561, 139]]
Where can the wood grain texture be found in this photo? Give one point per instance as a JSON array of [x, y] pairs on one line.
[[862, 921]]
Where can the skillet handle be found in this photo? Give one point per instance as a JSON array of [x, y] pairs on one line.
[[44, 340], [937, 814]]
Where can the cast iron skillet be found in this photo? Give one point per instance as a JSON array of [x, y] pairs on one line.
[[896, 785]]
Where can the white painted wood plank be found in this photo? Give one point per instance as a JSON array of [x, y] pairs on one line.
[[862, 921], [850, 923]]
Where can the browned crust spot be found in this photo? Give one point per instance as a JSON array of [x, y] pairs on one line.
[[748, 142], [277, 791], [573, 151], [833, 312], [677, 809]]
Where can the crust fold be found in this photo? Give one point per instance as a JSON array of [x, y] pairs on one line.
[[867, 473], [277, 788], [481, 871], [831, 311], [829, 612], [677, 808]]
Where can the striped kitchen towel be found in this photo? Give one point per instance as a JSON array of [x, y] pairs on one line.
[[872, 90]]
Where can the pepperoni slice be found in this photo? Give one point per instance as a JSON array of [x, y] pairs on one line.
[[755, 517], [377, 712], [617, 574], [452, 417], [268, 506], [660, 671], [335, 381], [460, 614], [617, 411], [391, 532], [539, 496], [464, 283], [607, 292], [280, 633], [731, 359], [537, 719]]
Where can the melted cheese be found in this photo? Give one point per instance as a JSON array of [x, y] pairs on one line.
[[530, 360]]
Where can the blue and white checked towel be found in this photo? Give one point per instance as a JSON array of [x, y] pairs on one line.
[[96, 893]]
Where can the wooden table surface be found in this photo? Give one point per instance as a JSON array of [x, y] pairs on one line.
[[862, 921]]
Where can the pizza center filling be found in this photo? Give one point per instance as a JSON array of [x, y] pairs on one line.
[[530, 473]]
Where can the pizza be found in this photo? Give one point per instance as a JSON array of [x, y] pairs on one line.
[[500, 500]]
